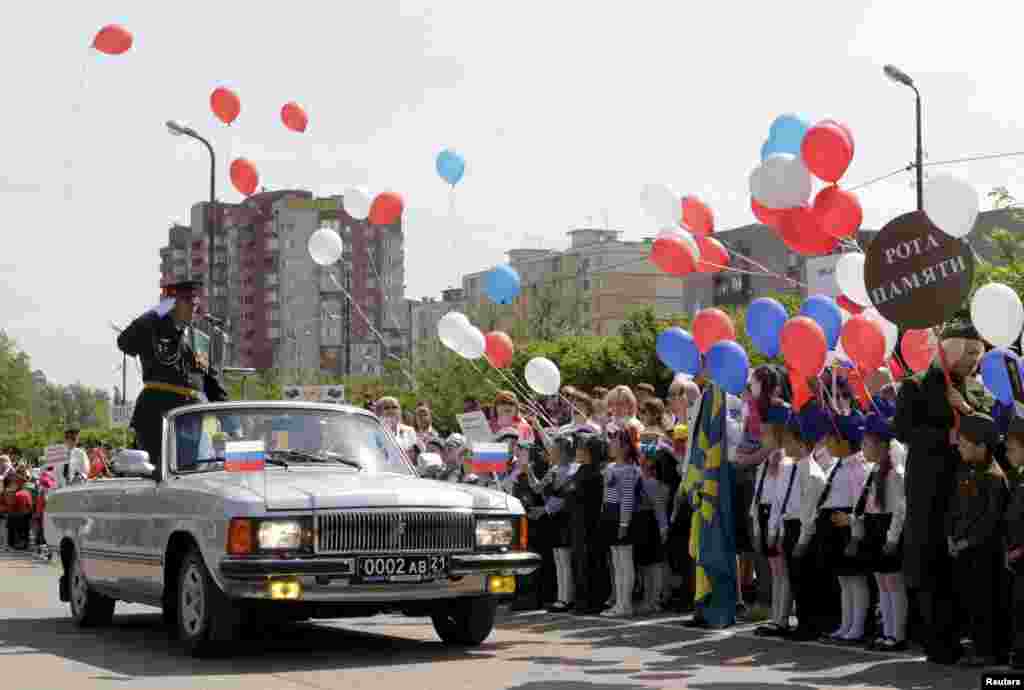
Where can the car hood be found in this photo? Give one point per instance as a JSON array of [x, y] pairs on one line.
[[300, 489]]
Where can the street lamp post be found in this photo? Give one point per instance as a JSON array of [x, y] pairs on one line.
[[900, 77], [178, 129]]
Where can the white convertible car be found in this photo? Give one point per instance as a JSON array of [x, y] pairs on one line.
[[284, 511]]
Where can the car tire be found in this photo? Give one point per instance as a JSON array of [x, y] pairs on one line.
[[465, 622], [207, 620], [89, 608]]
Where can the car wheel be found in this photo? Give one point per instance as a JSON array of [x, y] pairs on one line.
[[89, 608], [466, 622], [207, 620]]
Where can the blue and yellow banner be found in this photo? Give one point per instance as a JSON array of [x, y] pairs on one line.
[[710, 486]]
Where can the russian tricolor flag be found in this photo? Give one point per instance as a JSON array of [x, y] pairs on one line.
[[244, 456], [490, 457]]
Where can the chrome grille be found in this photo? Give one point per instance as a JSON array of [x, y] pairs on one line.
[[394, 532]]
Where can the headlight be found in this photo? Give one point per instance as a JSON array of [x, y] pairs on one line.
[[280, 535], [494, 533]]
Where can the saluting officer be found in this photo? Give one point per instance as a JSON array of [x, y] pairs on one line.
[[173, 375]]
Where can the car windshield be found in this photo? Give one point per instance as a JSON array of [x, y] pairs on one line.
[[285, 438]]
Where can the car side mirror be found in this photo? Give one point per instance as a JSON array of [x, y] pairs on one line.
[[133, 463]]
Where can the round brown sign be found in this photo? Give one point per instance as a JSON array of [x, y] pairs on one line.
[[916, 275]]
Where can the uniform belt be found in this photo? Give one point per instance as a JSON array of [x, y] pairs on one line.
[[171, 388]]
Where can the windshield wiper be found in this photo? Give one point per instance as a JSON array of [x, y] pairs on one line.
[[270, 461], [310, 456]]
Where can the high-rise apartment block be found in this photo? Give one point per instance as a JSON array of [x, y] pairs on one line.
[[281, 309]]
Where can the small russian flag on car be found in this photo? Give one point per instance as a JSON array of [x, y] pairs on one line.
[[490, 457], [244, 456]]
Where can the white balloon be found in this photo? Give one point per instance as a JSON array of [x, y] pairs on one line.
[[325, 246], [473, 344], [850, 278], [998, 314], [890, 330], [662, 204], [686, 236], [781, 181], [543, 376], [356, 202], [451, 329], [951, 204]]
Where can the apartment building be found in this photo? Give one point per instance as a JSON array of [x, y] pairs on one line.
[[280, 308]]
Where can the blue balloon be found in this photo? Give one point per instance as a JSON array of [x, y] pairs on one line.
[[502, 284], [771, 146], [787, 133], [678, 351], [765, 319], [993, 373], [450, 166], [825, 312], [728, 366]]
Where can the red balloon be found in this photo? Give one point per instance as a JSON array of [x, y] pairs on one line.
[[386, 208], [801, 391], [827, 151], [846, 130], [839, 212], [803, 345], [918, 348], [714, 257], [801, 231], [711, 326], [697, 217], [244, 176], [225, 104], [864, 341], [499, 349], [113, 39], [673, 256], [849, 305], [896, 368], [768, 216], [294, 117]]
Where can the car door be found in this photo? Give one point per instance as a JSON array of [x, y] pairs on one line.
[[100, 543], [140, 544]]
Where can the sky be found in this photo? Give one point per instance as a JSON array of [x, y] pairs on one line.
[[563, 111]]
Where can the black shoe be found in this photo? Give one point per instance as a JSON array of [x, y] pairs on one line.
[[697, 622], [559, 607], [891, 645], [804, 635]]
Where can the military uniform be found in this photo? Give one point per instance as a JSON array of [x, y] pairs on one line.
[[974, 539], [923, 422], [172, 375]]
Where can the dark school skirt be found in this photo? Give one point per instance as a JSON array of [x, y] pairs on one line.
[[870, 553], [647, 547], [831, 545], [560, 530], [610, 526], [742, 498]]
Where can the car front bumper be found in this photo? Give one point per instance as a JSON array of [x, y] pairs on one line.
[[331, 579]]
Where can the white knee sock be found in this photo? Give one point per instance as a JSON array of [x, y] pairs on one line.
[[861, 599], [614, 598], [898, 607], [559, 574], [569, 591], [628, 579], [885, 605], [785, 600], [847, 601]]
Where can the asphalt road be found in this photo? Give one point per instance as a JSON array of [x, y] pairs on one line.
[[40, 648]]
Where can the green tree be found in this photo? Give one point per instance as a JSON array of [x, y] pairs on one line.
[[1009, 247]]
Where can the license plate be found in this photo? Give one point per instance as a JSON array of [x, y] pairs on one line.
[[400, 568]]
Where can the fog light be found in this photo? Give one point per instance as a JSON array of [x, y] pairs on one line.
[[501, 584], [285, 589]]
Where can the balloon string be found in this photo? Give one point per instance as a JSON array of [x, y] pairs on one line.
[[525, 391], [369, 324], [76, 114], [451, 215], [764, 268], [530, 403]]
